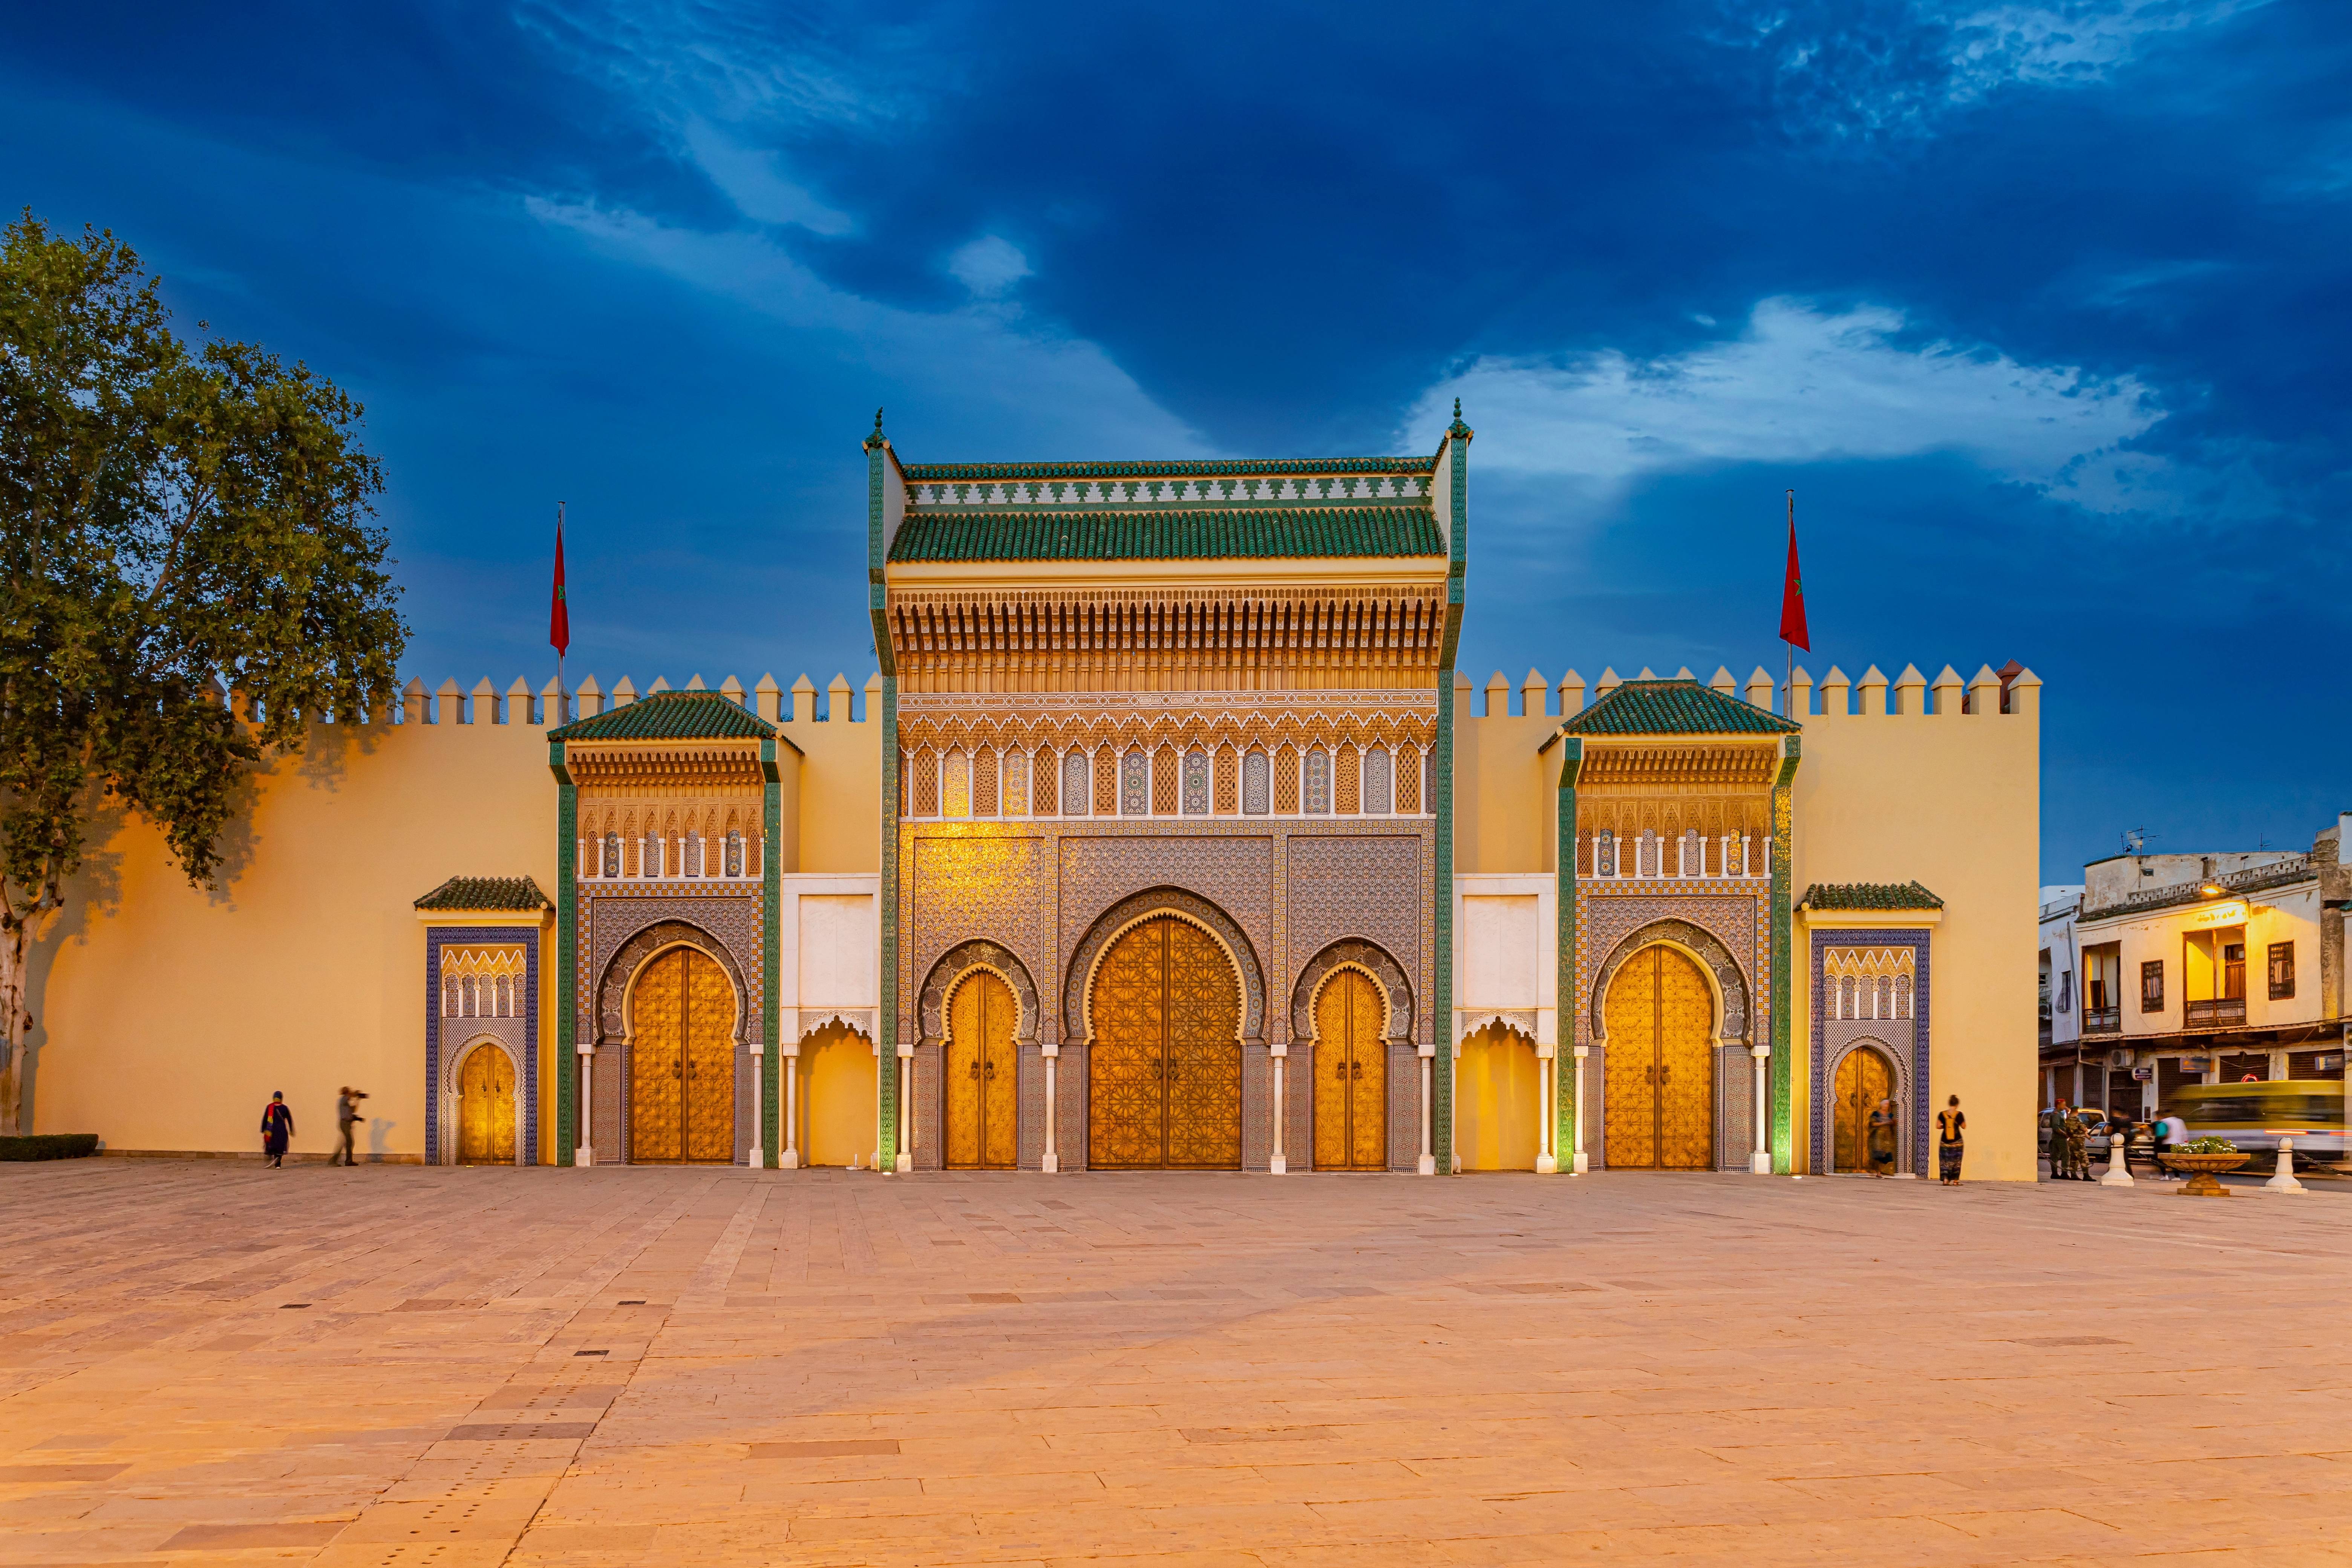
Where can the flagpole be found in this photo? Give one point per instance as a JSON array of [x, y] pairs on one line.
[[562, 697], [1788, 648]]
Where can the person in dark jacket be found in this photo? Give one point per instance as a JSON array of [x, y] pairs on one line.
[[347, 1117], [276, 1127]]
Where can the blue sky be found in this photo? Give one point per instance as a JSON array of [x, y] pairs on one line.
[[2039, 307]]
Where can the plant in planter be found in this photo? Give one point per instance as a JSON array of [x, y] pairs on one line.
[[2202, 1160]]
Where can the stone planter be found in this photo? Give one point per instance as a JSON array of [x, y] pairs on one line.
[[2201, 1170]]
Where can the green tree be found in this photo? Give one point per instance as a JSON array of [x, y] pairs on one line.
[[174, 524]]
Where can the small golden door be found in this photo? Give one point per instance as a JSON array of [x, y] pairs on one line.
[[486, 1107], [982, 1076], [1351, 1078]]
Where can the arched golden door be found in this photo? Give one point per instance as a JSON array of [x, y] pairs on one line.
[[486, 1107], [1660, 1110], [1351, 1077], [1164, 1073], [682, 1062], [1863, 1080], [983, 1087]]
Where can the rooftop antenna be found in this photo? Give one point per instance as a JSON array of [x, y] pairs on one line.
[[2135, 841]]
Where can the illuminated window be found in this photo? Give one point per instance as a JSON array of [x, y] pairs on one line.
[[2283, 970]]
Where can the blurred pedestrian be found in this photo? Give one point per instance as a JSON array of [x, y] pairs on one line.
[[1950, 1124], [347, 1117], [1882, 1138], [276, 1127], [2059, 1118], [2078, 1148]]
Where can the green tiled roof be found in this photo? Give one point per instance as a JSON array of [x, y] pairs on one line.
[[671, 716], [1178, 534], [1870, 896], [1675, 708], [939, 473], [485, 893]]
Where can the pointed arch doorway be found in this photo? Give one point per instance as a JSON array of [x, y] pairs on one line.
[[1351, 1076], [682, 1061], [981, 1070], [1864, 1079], [1659, 1094], [1164, 1068]]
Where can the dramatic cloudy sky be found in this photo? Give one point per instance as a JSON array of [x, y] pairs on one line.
[[2039, 307]]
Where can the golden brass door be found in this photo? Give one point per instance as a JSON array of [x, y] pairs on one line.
[[682, 1062], [486, 1109], [982, 1086], [1863, 1080], [1164, 1072], [1658, 1099], [1351, 1077]]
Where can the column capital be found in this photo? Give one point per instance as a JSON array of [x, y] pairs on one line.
[[1582, 1052]]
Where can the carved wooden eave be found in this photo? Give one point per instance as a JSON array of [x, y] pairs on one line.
[[1716, 765], [666, 763]]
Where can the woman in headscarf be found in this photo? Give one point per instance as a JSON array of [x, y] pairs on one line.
[[1950, 1124], [277, 1127], [1882, 1139]]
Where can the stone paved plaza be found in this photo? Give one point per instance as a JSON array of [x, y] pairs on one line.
[[213, 1363]]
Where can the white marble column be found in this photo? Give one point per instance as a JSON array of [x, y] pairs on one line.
[[1051, 1162], [1548, 1097], [1427, 1165], [905, 1158], [1279, 1051], [586, 1154], [1760, 1163], [789, 1160], [757, 1157], [1582, 1166]]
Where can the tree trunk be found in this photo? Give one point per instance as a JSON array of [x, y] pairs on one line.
[[16, 949]]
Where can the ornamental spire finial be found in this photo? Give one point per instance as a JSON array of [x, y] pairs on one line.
[[1458, 430], [878, 438]]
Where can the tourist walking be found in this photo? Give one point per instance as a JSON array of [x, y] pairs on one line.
[[277, 1127], [1882, 1138], [347, 1117], [1951, 1122]]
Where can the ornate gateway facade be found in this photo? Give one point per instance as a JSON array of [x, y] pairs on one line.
[[1167, 837]]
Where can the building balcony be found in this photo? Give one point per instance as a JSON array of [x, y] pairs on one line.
[[2103, 1020], [2224, 1013]]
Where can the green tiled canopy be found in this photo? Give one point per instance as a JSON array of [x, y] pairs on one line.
[[671, 716], [1176, 534], [485, 893], [1870, 896], [1675, 708]]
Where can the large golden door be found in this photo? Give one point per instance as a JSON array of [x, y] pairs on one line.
[[486, 1109], [1863, 1080], [1164, 1073], [983, 1090], [1351, 1077], [1659, 1100], [682, 1062], [1497, 1102]]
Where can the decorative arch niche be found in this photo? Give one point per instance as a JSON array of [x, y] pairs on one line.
[[1353, 952], [1078, 981]]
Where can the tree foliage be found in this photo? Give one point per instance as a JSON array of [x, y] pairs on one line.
[[174, 522]]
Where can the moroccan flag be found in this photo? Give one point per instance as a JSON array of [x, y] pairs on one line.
[[1793, 590], [559, 617]]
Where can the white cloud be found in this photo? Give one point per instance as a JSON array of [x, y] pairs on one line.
[[2069, 42], [972, 370], [755, 182], [989, 266], [1800, 386]]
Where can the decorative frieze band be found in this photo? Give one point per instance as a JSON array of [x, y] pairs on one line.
[[1321, 489]]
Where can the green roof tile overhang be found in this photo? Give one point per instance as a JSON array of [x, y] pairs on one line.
[[486, 894], [671, 716], [1205, 468], [1187, 533], [1843, 897], [1675, 708]]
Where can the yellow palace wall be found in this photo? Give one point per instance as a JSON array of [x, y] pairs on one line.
[[165, 1015], [1951, 800]]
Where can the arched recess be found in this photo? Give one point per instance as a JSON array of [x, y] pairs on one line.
[[1354, 952], [614, 990], [1729, 982], [961, 960], [1077, 983], [452, 1066], [1906, 1154]]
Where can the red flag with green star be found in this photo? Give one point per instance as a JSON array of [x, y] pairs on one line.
[[1793, 590], [559, 617]]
